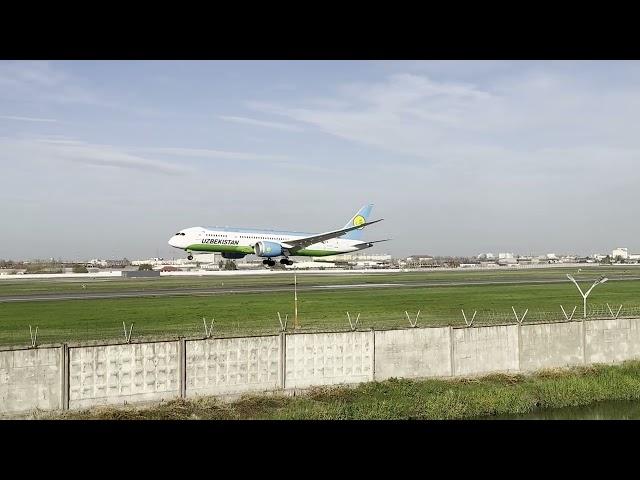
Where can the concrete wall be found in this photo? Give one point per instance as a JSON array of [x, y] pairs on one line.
[[482, 350], [233, 365], [609, 341], [328, 358], [123, 373], [50, 378], [419, 352], [550, 345], [30, 379]]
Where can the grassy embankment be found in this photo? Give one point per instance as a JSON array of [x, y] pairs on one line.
[[405, 399]]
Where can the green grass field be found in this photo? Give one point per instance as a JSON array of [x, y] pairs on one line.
[[256, 313]]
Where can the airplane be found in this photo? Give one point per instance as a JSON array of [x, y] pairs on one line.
[[236, 243]]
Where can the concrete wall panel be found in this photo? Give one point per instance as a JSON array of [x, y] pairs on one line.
[[610, 341], [414, 353], [485, 350], [550, 345], [328, 358], [30, 379], [233, 365], [123, 373]]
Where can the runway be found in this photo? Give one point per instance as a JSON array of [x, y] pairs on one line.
[[43, 297]]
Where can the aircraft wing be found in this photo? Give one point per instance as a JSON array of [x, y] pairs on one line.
[[371, 242], [301, 243]]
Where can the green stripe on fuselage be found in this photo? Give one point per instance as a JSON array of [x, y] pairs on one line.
[[247, 250], [209, 247], [316, 253]]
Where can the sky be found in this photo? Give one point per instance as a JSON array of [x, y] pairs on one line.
[[108, 159]]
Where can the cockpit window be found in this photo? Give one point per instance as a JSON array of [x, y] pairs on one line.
[[180, 233]]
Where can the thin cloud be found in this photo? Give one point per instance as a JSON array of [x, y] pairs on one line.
[[43, 81], [262, 123], [214, 154], [48, 82], [27, 119], [97, 156], [512, 123], [87, 154]]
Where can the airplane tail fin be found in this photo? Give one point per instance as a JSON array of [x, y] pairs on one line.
[[359, 218]]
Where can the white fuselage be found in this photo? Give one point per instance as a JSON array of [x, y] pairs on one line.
[[243, 241]]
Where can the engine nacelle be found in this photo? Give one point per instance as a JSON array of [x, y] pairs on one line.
[[267, 249], [232, 255]]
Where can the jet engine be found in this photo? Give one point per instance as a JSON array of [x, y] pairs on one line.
[[267, 249]]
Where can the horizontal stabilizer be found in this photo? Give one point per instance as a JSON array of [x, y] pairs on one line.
[[363, 245], [373, 241]]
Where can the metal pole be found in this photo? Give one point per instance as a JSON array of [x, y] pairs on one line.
[[585, 295]]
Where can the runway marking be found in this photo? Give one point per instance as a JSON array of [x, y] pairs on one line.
[[366, 285]]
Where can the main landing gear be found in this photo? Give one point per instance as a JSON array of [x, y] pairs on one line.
[[271, 263]]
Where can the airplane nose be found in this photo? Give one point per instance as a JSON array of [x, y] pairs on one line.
[[172, 241]]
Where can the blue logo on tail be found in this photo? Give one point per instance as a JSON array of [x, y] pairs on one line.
[[358, 219]]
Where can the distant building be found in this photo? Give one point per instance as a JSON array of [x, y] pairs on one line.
[[356, 259], [620, 252], [506, 259], [97, 262], [204, 261], [489, 264], [311, 265], [419, 257], [527, 260], [421, 261], [548, 258]]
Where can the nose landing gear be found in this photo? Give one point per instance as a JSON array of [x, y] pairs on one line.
[[189, 257]]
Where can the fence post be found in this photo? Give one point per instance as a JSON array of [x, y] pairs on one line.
[[64, 376], [182, 370], [452, 352], [519, 346], [283, 359], [584, 341], [373, 355]]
